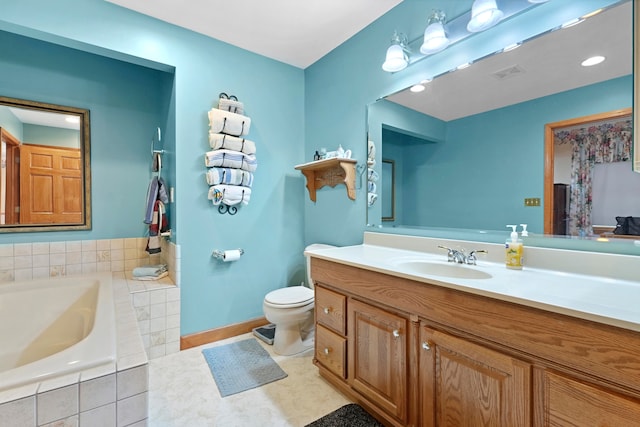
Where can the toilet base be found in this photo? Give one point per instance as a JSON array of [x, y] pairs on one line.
[[288, 341]]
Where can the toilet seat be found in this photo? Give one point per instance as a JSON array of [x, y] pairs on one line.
[[291, 297]]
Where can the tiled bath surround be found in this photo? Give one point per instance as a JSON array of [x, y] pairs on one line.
[[114, 395], [157, 303], [26, 261]]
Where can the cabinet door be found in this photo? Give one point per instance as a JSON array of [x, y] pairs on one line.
[[377, 357], [465, 384], [568, 402]]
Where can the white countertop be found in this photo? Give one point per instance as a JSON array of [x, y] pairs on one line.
[[605, 300]]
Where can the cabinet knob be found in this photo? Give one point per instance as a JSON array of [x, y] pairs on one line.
[[426, 346], [326, 350], [326, 310], [396, 333]]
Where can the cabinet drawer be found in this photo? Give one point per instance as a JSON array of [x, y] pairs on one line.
[[331, 351], [330, 309]]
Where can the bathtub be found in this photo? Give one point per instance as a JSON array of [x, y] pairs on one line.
[[54, 327]]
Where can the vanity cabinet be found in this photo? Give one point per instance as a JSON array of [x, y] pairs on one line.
[[462, 381], [569, 402], [378, 356], [330, 340], [415, 353]]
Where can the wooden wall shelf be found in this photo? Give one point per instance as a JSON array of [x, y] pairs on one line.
[[330, 172]]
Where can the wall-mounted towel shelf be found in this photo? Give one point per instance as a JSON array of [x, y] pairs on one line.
[[330, 172]]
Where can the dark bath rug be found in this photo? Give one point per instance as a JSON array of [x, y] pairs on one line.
[[351, 415]]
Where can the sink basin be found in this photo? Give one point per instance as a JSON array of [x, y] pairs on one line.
[[443, 269]]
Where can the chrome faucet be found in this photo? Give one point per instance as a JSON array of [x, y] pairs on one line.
[[459, 256]]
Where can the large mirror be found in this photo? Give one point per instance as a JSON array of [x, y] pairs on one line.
[[45, 178], [469, 150]]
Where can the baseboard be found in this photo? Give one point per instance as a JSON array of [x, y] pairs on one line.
[[217, 334]]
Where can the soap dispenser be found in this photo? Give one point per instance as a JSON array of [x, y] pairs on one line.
[[514, 250], [340, 151]]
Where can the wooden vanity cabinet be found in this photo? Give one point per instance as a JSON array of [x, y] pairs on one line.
[[377, 348], [330, 340], [420, 354], [462, 384], [569, 402]]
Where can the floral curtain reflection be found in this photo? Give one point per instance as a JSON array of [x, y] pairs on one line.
[[602, 142]]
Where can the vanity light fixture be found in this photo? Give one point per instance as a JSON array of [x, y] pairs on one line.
[[435, 37], [484, 15], [397, 57], [594, 60]]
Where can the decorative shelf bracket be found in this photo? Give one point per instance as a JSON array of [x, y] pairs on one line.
[[330, 172]]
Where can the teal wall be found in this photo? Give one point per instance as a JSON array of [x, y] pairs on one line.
[[11, 123], [293, 112], [270, 229], [126, 104], [46, 135]]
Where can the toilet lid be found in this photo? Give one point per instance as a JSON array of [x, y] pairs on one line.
[[293, 296]]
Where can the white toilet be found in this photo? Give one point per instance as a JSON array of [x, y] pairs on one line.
[[291, 310]]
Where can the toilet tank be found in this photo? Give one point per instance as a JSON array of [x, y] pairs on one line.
[[313, 247]]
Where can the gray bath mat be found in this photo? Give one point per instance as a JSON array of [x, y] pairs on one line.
[[241, 366], [351, 415]]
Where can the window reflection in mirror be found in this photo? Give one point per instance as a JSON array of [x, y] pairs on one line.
[[45, 174]]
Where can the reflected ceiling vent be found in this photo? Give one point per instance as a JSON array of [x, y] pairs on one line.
[[506, 73]]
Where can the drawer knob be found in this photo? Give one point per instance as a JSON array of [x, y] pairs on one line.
[[326, 350], [327, 310], [426, 345], [396, 333]]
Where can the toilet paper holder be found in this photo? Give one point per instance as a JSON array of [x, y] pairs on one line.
[[218, 254]]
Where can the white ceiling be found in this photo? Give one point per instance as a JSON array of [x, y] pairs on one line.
[[549, 64], [295, 32]]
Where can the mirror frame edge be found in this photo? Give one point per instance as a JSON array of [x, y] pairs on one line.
[[636, 85], [85, 143]]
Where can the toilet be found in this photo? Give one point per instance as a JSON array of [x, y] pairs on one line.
[[291, 310]]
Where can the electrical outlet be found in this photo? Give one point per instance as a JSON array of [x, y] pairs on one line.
[[532, 201]]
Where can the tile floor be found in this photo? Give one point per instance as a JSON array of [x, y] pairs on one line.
[[182, 392]]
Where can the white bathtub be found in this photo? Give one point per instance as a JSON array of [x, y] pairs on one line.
[[55, 327]]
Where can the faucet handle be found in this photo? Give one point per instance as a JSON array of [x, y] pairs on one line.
[[450, 252], [471, 259]]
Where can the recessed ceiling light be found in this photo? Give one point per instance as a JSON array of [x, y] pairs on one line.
[[417, 88], [571, 23], [511, 47], [594, 60]]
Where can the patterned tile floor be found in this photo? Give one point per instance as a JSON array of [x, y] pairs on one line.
[[182, 392]]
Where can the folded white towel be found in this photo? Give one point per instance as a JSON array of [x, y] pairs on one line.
[[229, 194], [219, 141], [230, 123], [229, 176], [230, 159], [231, 106]]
